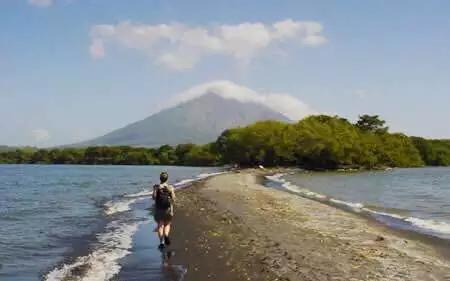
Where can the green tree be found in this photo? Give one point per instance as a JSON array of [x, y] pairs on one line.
[[371, 123], [181, 152], [201, 156], [166, 155]]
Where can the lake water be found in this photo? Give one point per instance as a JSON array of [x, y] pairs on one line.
[[76, 222], [410, 199]]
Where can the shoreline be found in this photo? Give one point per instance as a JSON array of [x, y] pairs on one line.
[[232, 224], [440, 244]]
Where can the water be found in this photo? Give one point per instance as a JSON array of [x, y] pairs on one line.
[[59, 221], [411, 199]]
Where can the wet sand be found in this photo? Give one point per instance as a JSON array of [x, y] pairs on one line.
[[230, 227], [146, 261]]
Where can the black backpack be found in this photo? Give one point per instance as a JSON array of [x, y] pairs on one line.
[[163, 197]]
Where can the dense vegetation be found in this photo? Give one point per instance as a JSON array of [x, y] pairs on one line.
[[433, 152], [185, 154], [316, 142], [319, 142]]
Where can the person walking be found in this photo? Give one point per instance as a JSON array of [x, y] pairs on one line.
[[164, 197]]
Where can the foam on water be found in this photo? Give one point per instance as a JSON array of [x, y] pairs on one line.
[[435, 226], [115, 207], [395, 216], [207, 175], [428, 226], [357, 207], [197, 178], [102, 263], [143, 193], [294, 188], [276, 178], [183, 182]]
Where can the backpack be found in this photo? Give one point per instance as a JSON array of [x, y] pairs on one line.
[[163, 197]]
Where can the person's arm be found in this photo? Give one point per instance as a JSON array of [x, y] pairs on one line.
[[172, 193], [155, 187]]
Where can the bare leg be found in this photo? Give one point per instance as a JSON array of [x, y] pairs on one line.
[[167, 228], [161, 231]]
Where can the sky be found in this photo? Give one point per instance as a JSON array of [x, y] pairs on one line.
[[71, 70]]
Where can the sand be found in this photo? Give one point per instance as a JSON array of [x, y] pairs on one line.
[[231, 227]]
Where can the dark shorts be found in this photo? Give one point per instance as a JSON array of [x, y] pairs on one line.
[[163, 214]]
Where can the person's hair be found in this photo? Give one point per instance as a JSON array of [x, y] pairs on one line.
[[163, 177]]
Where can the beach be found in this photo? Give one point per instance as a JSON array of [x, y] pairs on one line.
[[232, 227]]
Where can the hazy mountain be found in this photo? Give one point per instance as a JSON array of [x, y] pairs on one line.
[[199, 121]]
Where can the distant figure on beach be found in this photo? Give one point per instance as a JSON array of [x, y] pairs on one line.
[[164, 196]]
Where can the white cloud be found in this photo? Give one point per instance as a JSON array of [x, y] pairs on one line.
[[286, 104], [41, 3], [178, 46], [40, 135]]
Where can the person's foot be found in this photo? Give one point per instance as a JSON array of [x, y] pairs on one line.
[[161, 246], [167, 240]]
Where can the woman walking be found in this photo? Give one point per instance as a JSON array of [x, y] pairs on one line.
[[164, 196]]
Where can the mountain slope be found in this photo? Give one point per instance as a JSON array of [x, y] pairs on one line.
[[199, 121]]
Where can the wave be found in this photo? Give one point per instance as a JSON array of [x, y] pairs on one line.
[[202, 176], [207, 175], [143, 193], [425, 226], [185, 182], [294, 188], [102, 263], [276, 178], [115, 207], [435, 226], [385, 214]]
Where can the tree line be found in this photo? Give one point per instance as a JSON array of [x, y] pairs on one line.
[[316, 142], [183, 154]]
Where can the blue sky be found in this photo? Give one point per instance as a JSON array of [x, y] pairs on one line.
[[75, 69]]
